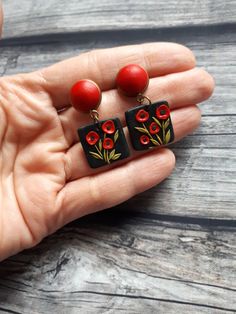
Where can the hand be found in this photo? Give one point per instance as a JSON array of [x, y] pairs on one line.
[[45, 179]]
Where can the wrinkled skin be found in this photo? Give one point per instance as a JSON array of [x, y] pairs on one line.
[[45, 179]]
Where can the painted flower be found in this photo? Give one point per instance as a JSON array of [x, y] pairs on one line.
[[108, 127], [163, 112], [154, 128], [92, 137], [142, 115], [144, 139], [108, 143]]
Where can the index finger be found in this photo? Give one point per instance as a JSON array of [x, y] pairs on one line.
[[103, 65]]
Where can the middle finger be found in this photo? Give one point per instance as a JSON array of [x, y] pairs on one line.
[[179, 89]]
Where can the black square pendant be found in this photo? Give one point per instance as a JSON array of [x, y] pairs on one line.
[[150, 125], [103, 142]]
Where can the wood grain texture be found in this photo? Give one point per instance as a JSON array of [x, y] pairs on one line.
[[42, 17], [124, 261], [213, 46], [171, 249]]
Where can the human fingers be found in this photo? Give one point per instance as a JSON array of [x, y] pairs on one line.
[[107, 189], [179, 89], [103, 65]]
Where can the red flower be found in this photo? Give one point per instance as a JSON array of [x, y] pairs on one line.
[[163, 112], [108, 127], [154, 128], [108, 143], [142, 115], [144, 139], [92, 138]]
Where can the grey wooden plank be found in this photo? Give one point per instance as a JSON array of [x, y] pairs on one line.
[[203, 184], [158, 251], [119, 261], [146, 307], [26, 17]]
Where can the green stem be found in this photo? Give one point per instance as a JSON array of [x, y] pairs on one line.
[[163, 132], [105, 156]]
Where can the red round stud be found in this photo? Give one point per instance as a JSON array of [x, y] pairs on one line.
[[132, 80], [85, 95]]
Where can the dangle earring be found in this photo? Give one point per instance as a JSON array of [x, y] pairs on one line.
[[149, 123], [103, 141]]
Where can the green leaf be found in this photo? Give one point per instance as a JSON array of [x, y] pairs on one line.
[[159, 139], [167, 139], [142, 130], [116, 156], [116, 136], [167, 123], [154, 142], [112, 153], [99, 151], [95, 155], [100, 144], [157, 121]]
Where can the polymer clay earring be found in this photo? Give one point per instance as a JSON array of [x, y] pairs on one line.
[[149, 123], [103, 141]]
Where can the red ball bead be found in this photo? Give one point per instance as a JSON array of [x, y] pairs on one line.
[[132, 80], [85, 95]]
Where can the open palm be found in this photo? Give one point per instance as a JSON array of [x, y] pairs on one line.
[[45, 179]]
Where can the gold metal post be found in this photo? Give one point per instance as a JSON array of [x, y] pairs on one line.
[[94, 115], [141, 99]]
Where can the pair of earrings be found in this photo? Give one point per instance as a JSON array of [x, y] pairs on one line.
[[149, 124]]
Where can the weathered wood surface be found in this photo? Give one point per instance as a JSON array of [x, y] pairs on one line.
[[42, 17], [125, 261], [171, 249]]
